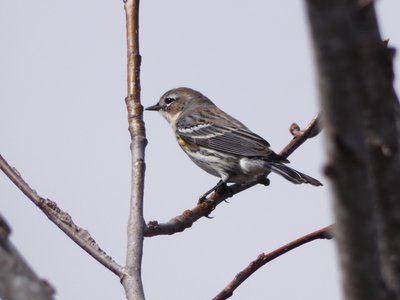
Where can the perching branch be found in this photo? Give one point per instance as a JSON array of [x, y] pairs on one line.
[[188, 217], [63, 220], [132, 282], [262, 259]]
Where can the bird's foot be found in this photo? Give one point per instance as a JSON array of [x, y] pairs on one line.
[[220, 184], [222, 188], [264, 181], [227, 190], [202, 199]]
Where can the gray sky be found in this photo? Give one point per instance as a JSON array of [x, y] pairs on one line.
[[63, 125]]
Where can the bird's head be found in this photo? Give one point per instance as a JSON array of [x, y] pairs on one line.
[[176, 101]]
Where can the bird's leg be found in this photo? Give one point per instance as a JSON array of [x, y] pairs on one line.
[[264, 181], [220, 185]]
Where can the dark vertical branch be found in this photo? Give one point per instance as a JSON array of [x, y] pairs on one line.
[[133, 283], [343, 31], [383, 143]]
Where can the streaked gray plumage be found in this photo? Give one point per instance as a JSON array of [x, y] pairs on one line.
[[220, 144]]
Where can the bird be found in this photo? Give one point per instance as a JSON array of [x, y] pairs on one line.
[[220, 144]]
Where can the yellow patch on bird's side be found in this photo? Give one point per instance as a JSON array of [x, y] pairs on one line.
[[186, 145]]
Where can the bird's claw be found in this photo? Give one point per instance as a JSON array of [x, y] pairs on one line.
[[229, 191], [202, 199], [226, 190], [264, 181]]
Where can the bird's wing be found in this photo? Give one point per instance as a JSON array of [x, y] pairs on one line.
[[233, 139]]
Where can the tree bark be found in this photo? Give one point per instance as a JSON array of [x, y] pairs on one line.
[[17, 280], [355, 78]]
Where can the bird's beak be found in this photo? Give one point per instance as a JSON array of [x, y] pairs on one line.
[[156, 107]]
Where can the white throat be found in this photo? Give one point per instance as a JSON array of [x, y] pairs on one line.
[[171, 119]]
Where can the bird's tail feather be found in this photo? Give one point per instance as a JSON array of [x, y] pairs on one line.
[[292, 175]]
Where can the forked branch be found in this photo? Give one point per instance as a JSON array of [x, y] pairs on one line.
[[63, 220], [130, 274]]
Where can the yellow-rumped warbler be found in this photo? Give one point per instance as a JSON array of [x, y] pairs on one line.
[[220, 144]]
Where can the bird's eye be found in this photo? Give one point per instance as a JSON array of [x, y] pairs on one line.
[[169, 100]]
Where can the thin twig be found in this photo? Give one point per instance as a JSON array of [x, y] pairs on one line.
[[133, 282], [63, 220], [188, 217], [300, 136], [262, 259]]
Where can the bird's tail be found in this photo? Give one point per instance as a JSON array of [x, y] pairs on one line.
[[292, 175]]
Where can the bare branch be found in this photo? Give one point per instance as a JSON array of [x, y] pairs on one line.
[[185, 220], [17, 279], [132, 282], [188, 217], [63, 220], [262, 259]]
